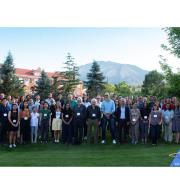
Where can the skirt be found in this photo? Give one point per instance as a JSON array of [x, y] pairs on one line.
[[57, 124]]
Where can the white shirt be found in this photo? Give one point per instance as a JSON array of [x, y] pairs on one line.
[[34, 119]]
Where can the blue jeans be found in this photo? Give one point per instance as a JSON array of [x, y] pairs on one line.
[[34, 131], [111, 122]]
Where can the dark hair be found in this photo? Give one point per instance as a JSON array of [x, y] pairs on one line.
[[23, 105], [16, 107]]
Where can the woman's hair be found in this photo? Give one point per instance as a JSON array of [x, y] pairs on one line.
[[14, 105], [23, 105]]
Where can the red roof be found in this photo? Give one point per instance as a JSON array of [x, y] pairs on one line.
[[28, 72]]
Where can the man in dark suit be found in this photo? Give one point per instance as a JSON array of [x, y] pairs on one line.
[[123, 118]]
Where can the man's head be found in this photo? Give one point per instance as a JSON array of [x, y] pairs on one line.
[[4, 101], [106, 96], [79, 100], [93, 102]]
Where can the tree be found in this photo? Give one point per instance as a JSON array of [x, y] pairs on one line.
[[55, 89], [10, 84], [95, 80], [122, 89], [173, 40], [43, 87], [172, 79], [154, 84], [71, 75], [110, 88]]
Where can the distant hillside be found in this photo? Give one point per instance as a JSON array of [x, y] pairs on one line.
[[116, 72]]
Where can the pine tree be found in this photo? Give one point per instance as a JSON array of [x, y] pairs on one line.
[[10, 84], [43, 87], [55, 89], [95, 80], [71, 75]]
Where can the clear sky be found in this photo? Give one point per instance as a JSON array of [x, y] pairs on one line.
[[47, 47]]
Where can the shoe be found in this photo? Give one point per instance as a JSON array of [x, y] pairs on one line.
[[114, 141], [14, 145], [103, 142], [57, 141], [10, 146], [46, 142]]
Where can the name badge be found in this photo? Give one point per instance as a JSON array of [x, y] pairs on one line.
[[67, 116], [145, 117], [155, 115], [14, 121], [134, 120], [78, 114], [25, 118], [5, 114], [93, 115], [45, 115]]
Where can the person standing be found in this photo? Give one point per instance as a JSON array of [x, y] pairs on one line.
[[134, 121], [45, 121], [144, 122], [93, 120], [67, 115], [176, 122], [4, 110], [57, 122], [155, 120], [13, 117], [34, 124], [123, 118], [25, 123], [86, 103], [79, 118], [108, 108], [167, 116]]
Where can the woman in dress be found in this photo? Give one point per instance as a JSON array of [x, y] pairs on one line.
[[13, 117]]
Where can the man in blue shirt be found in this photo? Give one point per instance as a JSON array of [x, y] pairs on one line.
[[108, 108]]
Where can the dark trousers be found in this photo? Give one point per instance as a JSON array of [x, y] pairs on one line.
[[144, 130], [111, 126], [122, 131], [3, 133], [25, 130], [154, 133], [66, 133], [44, 130], [85, 130], [78, 131]]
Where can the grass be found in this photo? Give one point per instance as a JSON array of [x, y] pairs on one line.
[[53, 155]]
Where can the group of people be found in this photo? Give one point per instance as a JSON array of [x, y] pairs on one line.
[[75, 120]]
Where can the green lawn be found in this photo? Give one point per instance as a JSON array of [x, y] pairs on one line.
[[87, 155]]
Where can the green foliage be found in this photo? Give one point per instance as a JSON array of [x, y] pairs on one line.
[[173, 40], [110, 88], [10, 84], [43, 87], [71, 75], [154, 84], [55, 89], [95, 80], [122, 89]]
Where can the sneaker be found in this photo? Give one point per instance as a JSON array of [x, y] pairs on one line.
[[114, 141], [10, 146], [103, 142], [14, 145], [46, 142], [57, 141]]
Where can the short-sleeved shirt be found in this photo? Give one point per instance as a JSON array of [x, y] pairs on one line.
[[155, 117], [45, 114]]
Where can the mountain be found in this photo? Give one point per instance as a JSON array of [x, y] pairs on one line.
[[116, 72]]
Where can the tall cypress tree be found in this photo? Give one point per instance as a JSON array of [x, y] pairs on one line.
[[71, 75], [95, 80], [10, 84], [43, 87]]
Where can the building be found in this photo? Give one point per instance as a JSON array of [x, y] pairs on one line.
[[29, 78]]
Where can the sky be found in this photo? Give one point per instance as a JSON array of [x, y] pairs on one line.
[[47, 47]]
